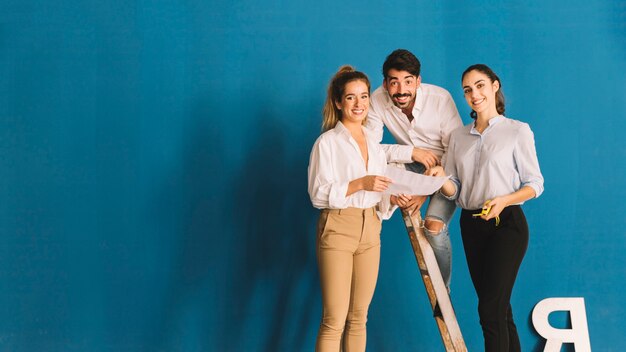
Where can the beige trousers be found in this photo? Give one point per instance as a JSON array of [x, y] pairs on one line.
[[348, 254]]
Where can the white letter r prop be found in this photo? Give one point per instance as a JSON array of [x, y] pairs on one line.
[[578, 334]]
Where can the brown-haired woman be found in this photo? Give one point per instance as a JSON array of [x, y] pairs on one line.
[[346, 182]]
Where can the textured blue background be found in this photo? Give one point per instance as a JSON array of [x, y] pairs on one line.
[[153, 161]]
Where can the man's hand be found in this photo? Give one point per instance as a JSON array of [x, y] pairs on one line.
[[400, 200], [425, 157], [410, 203]]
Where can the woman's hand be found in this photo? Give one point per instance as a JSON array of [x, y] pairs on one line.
[[371, 183], [448, 188], [497, 205], [375, 183], [435, 171]]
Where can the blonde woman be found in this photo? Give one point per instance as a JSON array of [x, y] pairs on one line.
[[346, 182]]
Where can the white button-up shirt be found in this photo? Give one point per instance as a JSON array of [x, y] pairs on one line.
[[495, 163], [335, 161], [434, 117]]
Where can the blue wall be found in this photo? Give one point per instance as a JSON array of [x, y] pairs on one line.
[[153, 161]]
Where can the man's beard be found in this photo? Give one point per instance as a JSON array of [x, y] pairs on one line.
[[399, 95]]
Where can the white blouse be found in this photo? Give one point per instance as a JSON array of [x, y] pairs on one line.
[[335, 161]]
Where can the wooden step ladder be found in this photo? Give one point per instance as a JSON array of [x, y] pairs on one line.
[[435, 286]]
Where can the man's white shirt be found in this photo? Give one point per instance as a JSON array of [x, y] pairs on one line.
[[434, 118]]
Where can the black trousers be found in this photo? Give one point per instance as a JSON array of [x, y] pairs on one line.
[[494, 254]]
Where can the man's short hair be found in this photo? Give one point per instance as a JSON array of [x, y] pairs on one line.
[[402, 60]]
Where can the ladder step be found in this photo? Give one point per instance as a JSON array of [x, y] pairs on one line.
[[436, 289]]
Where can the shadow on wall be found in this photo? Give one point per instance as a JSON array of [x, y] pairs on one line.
[[186, 213], [243, 268], [275, 265]]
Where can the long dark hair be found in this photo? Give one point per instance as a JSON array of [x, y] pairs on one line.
[[493, 77], [336, 88]]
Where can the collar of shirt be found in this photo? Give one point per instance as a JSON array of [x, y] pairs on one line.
[[341, 129], [492, 122]]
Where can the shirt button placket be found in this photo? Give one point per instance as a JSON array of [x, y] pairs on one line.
[[478, 153]]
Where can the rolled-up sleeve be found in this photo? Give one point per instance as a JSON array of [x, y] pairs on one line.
[[526, 160], [451, 170], [324, 190], [385, 207], [397, 153]]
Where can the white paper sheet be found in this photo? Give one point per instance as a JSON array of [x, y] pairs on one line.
[[411, 183]]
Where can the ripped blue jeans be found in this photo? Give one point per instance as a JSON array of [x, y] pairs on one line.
[[442, 209]]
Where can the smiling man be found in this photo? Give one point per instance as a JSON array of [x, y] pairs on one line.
[[420, 117]]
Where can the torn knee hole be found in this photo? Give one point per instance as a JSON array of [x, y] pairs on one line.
[[433, 226]]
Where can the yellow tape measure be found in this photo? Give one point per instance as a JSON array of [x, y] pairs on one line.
[[486, 211]]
